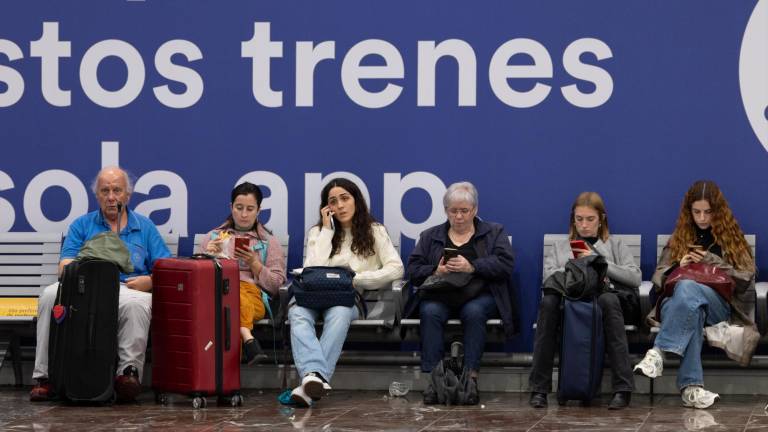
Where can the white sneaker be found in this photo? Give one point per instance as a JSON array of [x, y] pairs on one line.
[[327, 387], [312, 386], [300, 398], [651, 365], [697, 397]]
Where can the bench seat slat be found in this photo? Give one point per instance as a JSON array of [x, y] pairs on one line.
[[28, 248], [38, 280], [30, 259]]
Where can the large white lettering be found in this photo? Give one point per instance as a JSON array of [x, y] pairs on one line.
[[176, 201], [11, 77], [50, 49], [189, 77], [395, 188], [33, 196], [6, 209]]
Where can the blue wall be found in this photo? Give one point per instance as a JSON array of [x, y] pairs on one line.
[[674, 113]]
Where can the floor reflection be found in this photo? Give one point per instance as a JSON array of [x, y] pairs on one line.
[[377, 411]]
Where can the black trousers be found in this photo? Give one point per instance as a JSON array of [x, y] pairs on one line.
[[546, 343]]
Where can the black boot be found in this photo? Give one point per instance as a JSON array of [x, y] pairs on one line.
[[620, 400], [538, 400], [251, 351]]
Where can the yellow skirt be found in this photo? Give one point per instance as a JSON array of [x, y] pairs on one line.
[[251, 305]]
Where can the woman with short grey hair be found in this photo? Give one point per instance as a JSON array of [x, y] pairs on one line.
[[463, 244]]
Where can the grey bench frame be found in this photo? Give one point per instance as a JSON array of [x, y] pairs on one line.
[[28, 263]]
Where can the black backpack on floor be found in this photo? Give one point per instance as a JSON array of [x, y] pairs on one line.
[[450, 381]]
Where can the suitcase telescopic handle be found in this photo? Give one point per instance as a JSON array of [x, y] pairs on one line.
[[202, 256], [227, 329]]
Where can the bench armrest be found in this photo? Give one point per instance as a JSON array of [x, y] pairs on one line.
[[645, 301], [399, 298], [761, 306]]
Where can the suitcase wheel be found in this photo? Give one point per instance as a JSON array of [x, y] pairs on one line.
[[161, 398], [562, 402], [199, 402], [236, 401]]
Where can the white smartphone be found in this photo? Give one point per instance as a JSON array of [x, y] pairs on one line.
[[333, 225]]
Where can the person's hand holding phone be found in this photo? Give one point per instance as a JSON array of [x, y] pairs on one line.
[[249, 257], [459, 264], [441, 268], [696, 253], [327, 215], [580, 248]]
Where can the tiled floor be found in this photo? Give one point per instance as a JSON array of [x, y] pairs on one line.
[[373, 411]]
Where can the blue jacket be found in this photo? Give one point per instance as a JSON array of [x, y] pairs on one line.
[[495, 265]]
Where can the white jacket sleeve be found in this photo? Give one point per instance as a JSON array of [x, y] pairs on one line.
[[318, 247], [391, 266]]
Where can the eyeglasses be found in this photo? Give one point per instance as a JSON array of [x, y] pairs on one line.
[[458, 211]]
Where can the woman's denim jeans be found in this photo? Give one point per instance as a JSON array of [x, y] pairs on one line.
[[319, 355], [683, 317]]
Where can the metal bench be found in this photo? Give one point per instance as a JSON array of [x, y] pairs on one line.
[[28, 263]]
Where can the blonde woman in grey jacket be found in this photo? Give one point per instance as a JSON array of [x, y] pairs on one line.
[[588, 223]]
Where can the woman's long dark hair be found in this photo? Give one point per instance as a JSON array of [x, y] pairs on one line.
[[245, 188], [362, 221]]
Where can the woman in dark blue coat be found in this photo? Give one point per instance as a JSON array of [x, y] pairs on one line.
[[483, 250]]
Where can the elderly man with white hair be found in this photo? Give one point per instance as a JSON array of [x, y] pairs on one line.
[[113, 189]]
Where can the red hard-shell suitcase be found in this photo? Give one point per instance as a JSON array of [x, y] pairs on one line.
[[196, 329]]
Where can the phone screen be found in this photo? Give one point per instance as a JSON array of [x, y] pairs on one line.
[[578, 244], [241, 243], [449, 253]]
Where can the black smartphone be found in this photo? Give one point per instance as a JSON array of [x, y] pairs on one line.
[[449, 253]]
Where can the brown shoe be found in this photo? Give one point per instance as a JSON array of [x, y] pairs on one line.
[[127, 385], [41, 392]]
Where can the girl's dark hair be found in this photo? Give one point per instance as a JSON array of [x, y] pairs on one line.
[[362, 221], [245, 188]]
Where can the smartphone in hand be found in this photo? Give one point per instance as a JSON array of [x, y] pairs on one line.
[[449, 253], [242, 243], [578, 244]]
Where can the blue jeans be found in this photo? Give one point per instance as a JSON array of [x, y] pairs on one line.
[[473, 314], [683, 317], [319, 355]]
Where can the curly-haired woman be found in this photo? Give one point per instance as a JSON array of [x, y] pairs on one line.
[[706, 232]]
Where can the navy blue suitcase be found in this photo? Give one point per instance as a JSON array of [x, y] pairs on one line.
[[581, 351]]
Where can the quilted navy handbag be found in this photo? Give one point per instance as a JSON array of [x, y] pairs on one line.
[[324, 287]]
